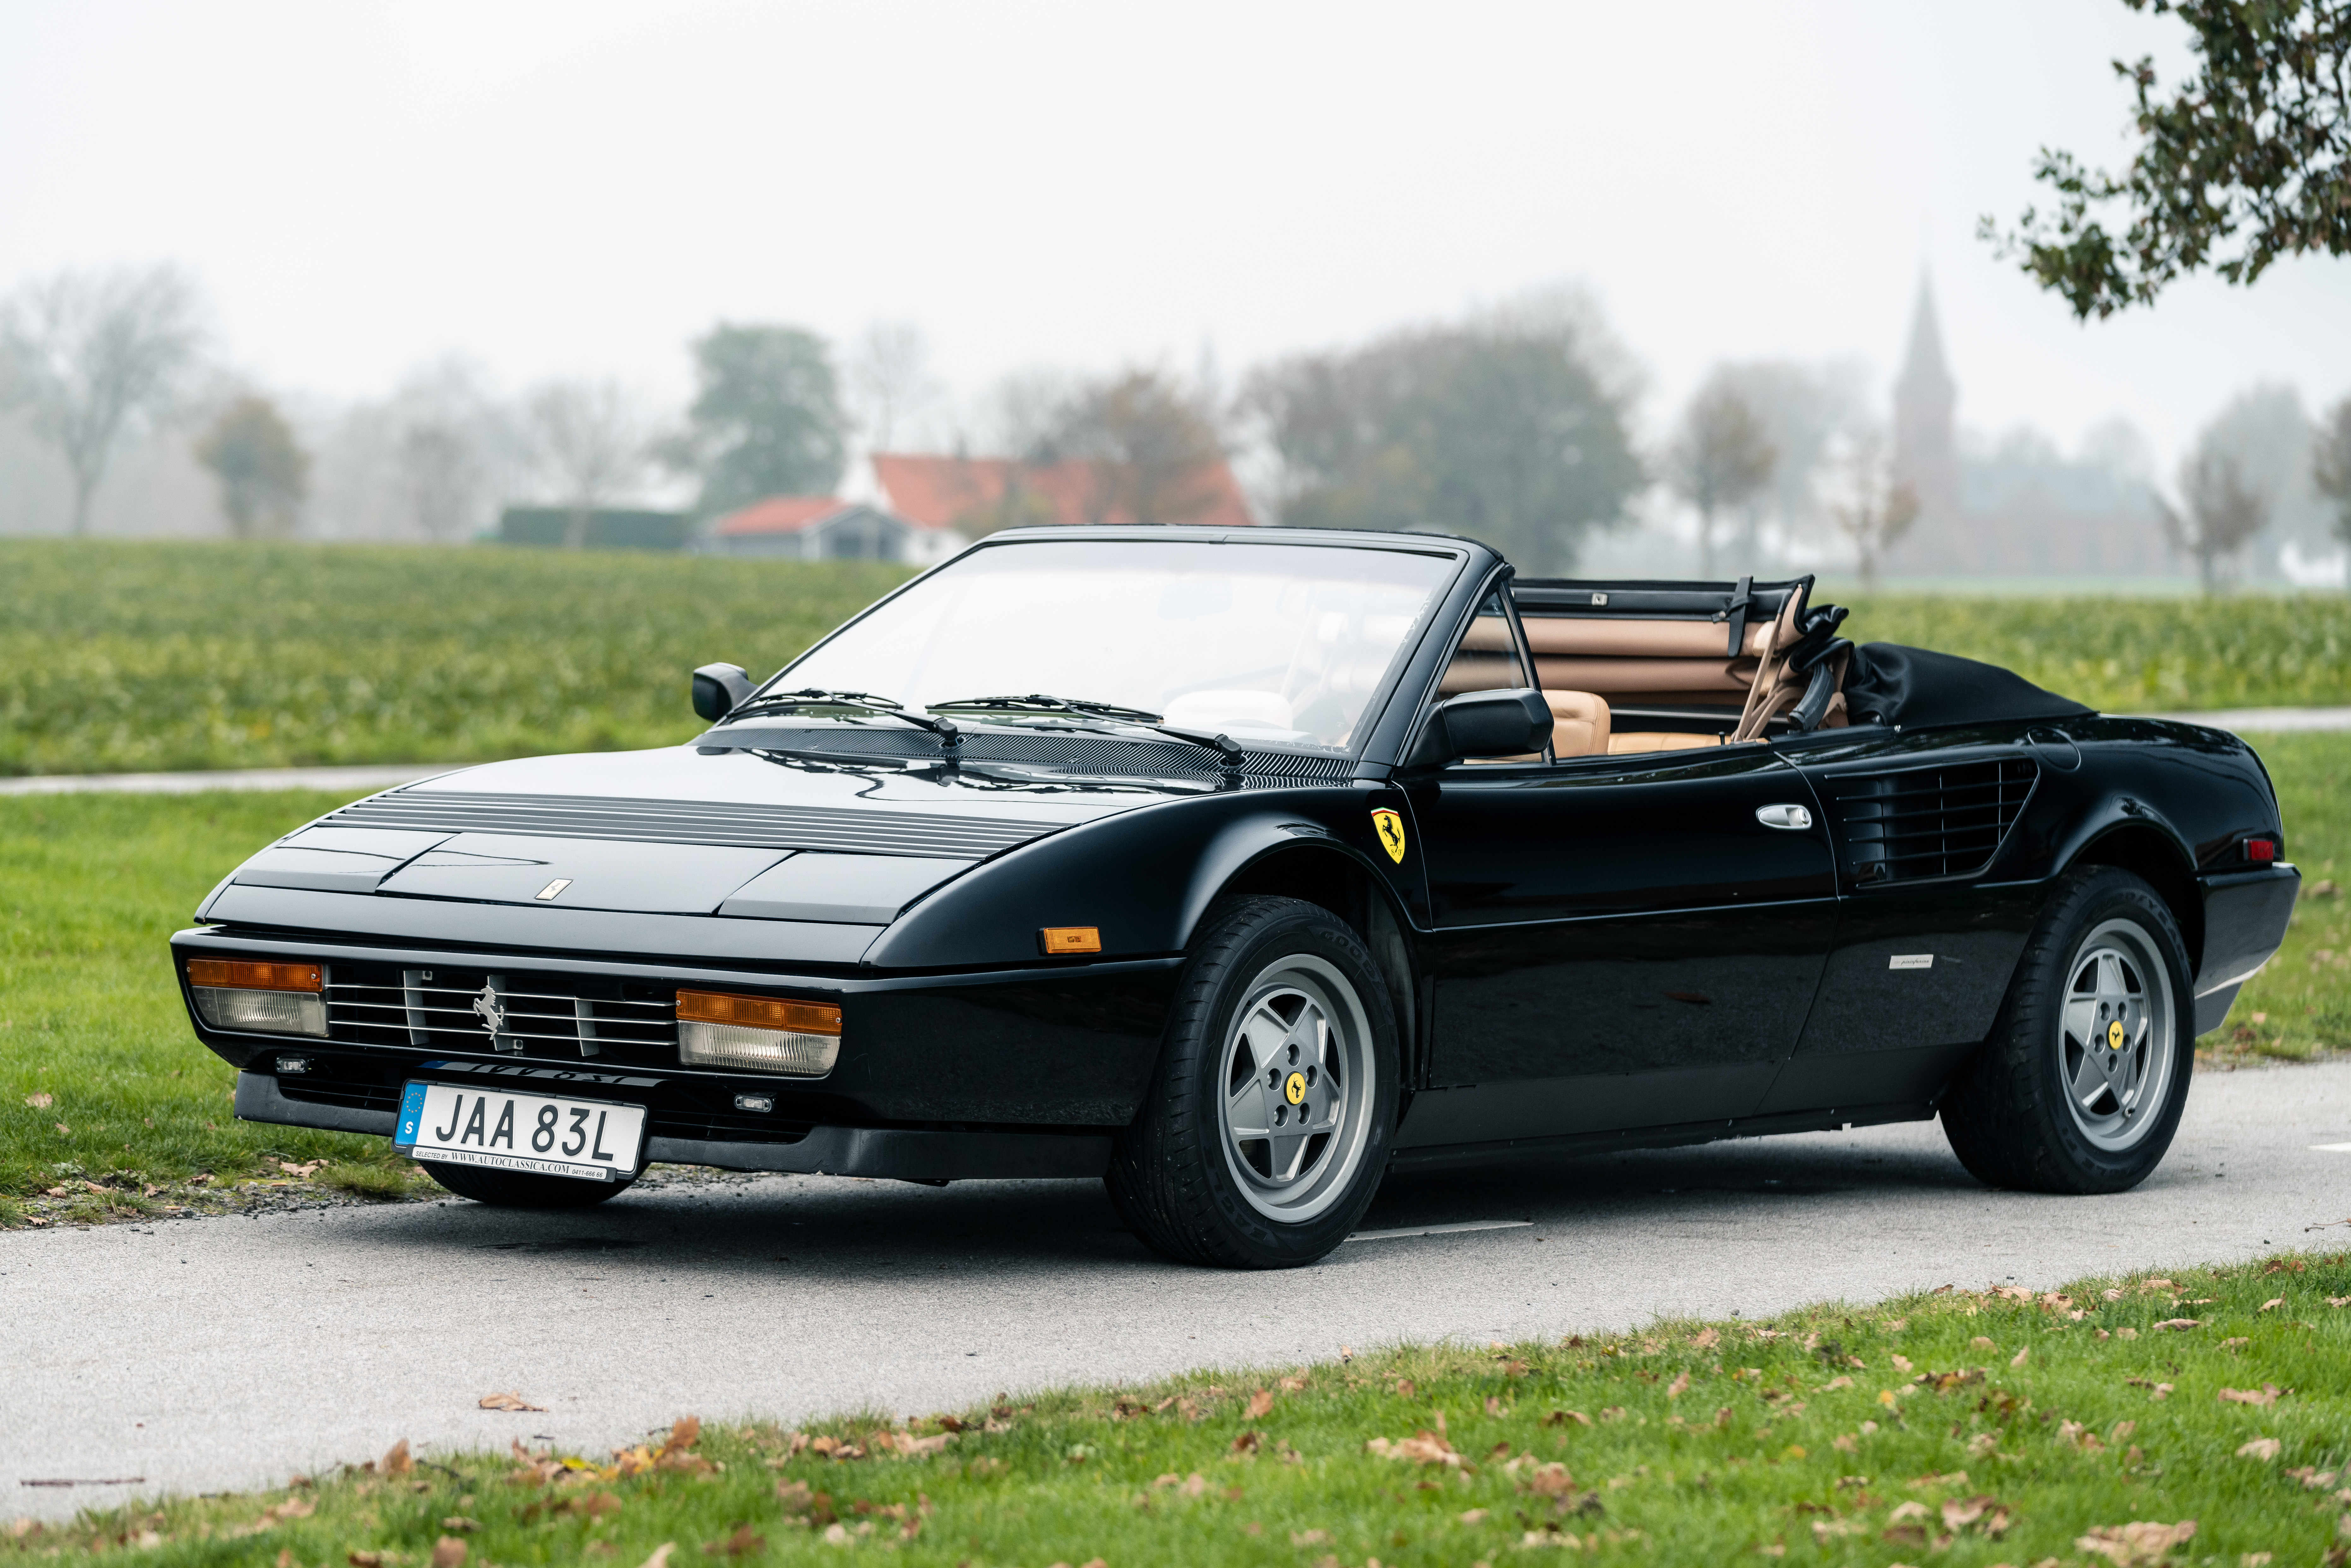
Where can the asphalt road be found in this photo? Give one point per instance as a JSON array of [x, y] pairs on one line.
[[230, 1351]]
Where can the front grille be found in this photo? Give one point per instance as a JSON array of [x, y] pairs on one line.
[[536, 1013], [1924, 823], [694, 822]]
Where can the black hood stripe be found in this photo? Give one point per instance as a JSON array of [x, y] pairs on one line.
[[696, 822]]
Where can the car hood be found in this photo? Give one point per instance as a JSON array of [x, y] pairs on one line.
[[686, 831]]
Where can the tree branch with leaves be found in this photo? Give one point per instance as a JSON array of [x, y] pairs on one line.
[[2248, 163]]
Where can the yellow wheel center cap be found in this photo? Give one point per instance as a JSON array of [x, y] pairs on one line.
[[2115, 1035], [1294, 1090]]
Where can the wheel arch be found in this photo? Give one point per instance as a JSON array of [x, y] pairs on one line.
[[1321, 870], [2158, 859]]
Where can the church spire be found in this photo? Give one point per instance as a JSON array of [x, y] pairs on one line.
[[1926, 451]]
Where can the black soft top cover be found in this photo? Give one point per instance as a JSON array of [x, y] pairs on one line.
[[1919, 689]]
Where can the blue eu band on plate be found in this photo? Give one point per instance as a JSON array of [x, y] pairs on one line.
[[586, 1139]]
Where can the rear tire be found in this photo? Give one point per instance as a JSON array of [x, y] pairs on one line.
[[1266, 1129], [521, 1190], [2083, 1082]]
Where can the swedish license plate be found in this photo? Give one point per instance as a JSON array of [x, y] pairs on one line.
[[591, 1139]]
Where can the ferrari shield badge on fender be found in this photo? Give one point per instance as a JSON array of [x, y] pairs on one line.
[[1391, 831]]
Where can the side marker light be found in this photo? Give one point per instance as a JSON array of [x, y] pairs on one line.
[[1057, 940]]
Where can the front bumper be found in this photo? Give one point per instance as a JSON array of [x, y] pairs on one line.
[[941, 1077], [899, 1153], [2245, 917]]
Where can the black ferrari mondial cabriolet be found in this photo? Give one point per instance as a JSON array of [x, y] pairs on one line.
[[1235, 868]]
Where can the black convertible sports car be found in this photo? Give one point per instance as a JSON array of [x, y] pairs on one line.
[[1236, 867]]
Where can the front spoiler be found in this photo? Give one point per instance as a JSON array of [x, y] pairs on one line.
[[900, 1153]]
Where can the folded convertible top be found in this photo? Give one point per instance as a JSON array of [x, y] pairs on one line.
[[1919, 689]]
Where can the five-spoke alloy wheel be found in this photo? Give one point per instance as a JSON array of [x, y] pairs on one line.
[[1267, 1125], [2081, 1083]]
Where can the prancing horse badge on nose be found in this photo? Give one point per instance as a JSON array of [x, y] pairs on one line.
[[1391, 832]]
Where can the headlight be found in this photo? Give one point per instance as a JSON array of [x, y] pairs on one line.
[[266, 998], [758, 1034]]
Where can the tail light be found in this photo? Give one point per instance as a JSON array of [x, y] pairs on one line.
[[2261, 850]]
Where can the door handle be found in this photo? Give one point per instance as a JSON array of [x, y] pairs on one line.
[[1792, 818]]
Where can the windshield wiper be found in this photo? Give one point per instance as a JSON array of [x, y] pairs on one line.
[[950, 737], [1039, 702]]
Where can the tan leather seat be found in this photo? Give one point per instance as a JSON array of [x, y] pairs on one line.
[[1579, 724], [1658, 740]]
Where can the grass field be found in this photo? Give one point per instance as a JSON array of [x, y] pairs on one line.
[[91, 885], [132, 656], [139, 655], [2204, 1417]]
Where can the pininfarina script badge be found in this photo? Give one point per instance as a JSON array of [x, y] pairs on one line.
[[1391, 832], [493, 1016]]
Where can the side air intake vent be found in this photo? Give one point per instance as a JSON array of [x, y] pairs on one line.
[[1924, 823]]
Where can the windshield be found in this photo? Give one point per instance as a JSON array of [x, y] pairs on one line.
[[1282, 643]]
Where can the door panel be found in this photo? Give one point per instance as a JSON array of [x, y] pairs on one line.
[[1616, 915]]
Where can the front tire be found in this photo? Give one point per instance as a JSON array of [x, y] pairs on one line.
[[2083, 1082], [1267, 1126], [521, 1190]]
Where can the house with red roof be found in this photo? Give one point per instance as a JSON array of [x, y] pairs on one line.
[[920, 508], [812, 527]]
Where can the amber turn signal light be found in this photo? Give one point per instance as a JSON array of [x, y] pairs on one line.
[[252, 977], [758, 1012], [1057, 940]]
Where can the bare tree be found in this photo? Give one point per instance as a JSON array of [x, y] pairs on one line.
[[2223, 511], [889, 380], [1719, 460], [263, 471], [89, 354], [1153, 448], [2330, 464], [1876, 509], [592, 440]]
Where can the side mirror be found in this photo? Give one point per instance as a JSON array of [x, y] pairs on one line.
[[719, 690], [1485, 724]]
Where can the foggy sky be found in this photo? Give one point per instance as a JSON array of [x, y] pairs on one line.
[[581, 188]]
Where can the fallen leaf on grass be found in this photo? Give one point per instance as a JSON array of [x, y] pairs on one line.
[[1310, 1537], [2312, 1478], [64, 1131], [742, 1543], [2141, 1541], [40, 1101], [1901, 1363], [449, 1552], [1406, 1386], [395, 1460], [2267, 1393], [1248, 1442], [512, 1400], [2154, 1390], [659, 1559], [2274, 1301], [1562, 1417], [464, 1526], [1706, 1339], [1293, 1384], [1424, 1447], [2021, 1357], [308, 1168], [1678, 1386], [2261, 1449], [1473, 1516], [1260, 1403], [2176, 1324]]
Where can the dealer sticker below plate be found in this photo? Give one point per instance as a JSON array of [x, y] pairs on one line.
[[591, 1140]]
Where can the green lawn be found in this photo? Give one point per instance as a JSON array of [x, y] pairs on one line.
[[91, 885], [2204, 1417], [128, 655]]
